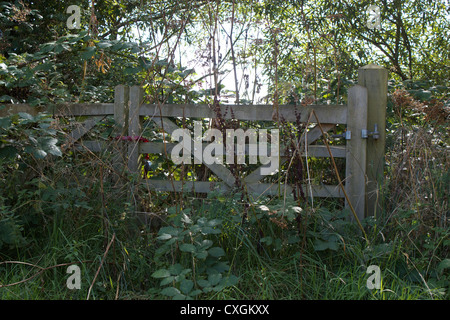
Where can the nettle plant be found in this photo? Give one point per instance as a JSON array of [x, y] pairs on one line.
[[200, 269]]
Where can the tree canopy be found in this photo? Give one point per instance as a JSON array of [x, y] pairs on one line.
[[254, 50]]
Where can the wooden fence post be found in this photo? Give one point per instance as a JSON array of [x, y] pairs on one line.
[[355, 171], [121, 98], [134, 127], [374, 78]]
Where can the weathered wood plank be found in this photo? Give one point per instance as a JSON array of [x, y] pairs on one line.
[[121, 110], [257, 189], [82, 129], [73, 109], [221, 171], [317, 151], [327, 113], [85, 109], [185, 186], [311, 136], [375, 79], [320, 191], [315, 133], [134, 127], [121, 98], [355, 180]]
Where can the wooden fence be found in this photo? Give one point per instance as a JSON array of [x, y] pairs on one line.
[[364, 115]]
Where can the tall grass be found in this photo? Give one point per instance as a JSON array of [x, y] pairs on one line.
[[71, 209]]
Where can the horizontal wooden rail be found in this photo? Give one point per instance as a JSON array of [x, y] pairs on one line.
[[336, 114], [327, 113], [85, 109], [73, 109], [321, 191], [317, 151]]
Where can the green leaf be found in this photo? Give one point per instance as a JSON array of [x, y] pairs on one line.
[[10, 233], [54, 150], [214, 278], [210, 230], [185, 218], [214, 222], [186, 286], [104, 44], [201, 255], [135, 48], [205, 244], [221, 267], [170, 291], [26, 116], [123, 45], [187, 247], [207, 289], [8, 152], [226, 282], [216, 252], [231, 280], [166, 281], [203, 283], [132, 70], [176, 269], [195, 293], [170, 230], [267, 240], [60, 47], [444, 264], [164, 236], [39, 154], [6, 98], [293, 239], [88, 53], [48, 144], [161, 273], [320, 245], [5, 122]]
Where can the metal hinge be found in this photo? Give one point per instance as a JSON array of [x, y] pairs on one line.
[[365, 134]]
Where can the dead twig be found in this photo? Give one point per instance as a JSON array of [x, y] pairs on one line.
[[37, 273], [101, 264]]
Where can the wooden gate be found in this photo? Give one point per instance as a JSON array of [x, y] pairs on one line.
[[364, 115]]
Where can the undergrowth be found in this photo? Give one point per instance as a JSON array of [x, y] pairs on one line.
[[131, 243]]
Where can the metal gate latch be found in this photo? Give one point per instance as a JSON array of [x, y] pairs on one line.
[[365, 134]]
